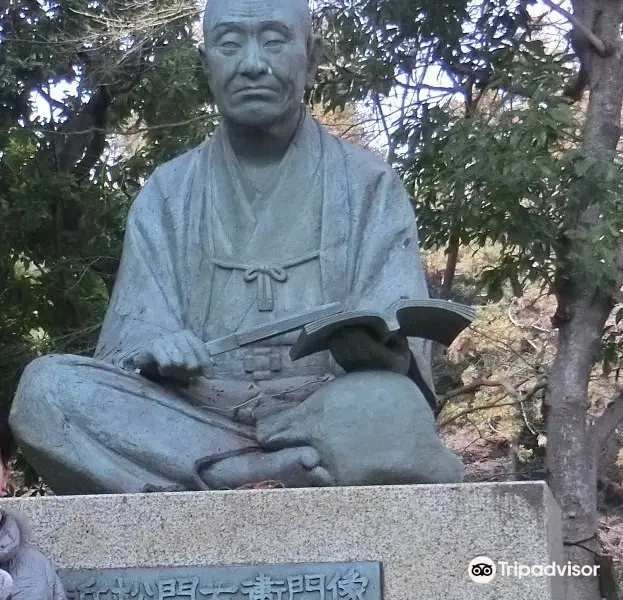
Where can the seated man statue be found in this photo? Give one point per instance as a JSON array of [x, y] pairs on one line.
[[269, 218]]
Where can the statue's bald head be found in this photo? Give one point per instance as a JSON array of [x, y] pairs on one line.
[[294, 12]]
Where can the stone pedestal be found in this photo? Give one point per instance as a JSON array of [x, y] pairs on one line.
[[425, 536]]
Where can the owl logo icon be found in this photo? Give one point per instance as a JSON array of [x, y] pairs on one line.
[[481, 569]]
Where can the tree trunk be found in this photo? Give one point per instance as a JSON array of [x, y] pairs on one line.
[[450, 270], [571, 459], [584, 306]]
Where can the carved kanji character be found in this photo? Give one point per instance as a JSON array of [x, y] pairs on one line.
[[172, 588], [216, 591], [120, 592], [136, 591], [141, 591], [97, 593], [84, 590], [263, 588], [187, 587], [166, 588], [315, 583], [149, 591], [296, 585], [350, 586]]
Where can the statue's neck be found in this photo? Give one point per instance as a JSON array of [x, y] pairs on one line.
[[257, 148]]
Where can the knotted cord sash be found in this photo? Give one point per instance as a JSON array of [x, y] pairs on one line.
[[265, 275]]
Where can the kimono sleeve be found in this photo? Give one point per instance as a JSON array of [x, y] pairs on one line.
[[145, 302], [387, 261]]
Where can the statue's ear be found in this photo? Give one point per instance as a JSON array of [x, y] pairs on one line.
[[205, 77], [203, 58], [316, 54]]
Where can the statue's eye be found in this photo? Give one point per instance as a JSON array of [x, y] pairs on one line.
[[274, 44], [229, 46]]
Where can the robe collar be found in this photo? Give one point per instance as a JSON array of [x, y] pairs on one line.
[[202, 183]]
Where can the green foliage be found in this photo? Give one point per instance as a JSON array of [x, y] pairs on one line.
[[485, 157], [481, 133], [70, 165]]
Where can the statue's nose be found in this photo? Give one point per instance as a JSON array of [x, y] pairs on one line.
[[253, 63]]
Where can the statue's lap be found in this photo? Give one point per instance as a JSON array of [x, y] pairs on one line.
[[89, 425]]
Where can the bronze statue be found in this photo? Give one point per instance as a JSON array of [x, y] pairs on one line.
[[269, 219]]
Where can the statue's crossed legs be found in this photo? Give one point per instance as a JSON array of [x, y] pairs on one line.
[[90, 427]]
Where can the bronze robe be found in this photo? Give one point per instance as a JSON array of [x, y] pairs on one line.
[[203, 253], [339, 210]]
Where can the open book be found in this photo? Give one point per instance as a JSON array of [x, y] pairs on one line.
[[431, 319]]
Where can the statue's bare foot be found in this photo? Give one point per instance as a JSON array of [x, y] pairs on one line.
[[293, 467]]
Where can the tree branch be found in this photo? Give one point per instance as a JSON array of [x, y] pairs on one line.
[[97, 143], [379, 108], [597, 43], [482, 81], [130, 131], [473, 409], [607, 423], [52, 101], [431, 88], [475, 386], [509, 389]]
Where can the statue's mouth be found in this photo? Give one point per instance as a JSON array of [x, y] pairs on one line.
[[254, 91]]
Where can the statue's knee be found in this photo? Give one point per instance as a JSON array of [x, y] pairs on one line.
[[42, 373], [38, 383], [377, 428]]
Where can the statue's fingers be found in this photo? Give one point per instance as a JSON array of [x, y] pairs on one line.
[[200, 350], [141, 360], [162, 358], [396, 356], [178, 354], [178, 361], [356, 349], [351, 357], [284, 438], [352, 347], [190, 360]]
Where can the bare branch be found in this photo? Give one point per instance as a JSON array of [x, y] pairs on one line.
[[379, 107], [597, 43], [52, 101], [130, 131], [457, 89], [510, 390], [479, 384], [513, 319], [473, 409], [506, 346]]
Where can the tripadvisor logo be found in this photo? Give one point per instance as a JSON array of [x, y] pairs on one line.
[[482, 570]]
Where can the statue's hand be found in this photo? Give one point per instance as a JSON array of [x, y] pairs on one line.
[[179, 356], [356, 349]]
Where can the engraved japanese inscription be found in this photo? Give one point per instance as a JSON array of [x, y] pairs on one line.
[[317, 581]]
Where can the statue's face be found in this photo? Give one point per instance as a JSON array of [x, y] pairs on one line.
[[257, 55]]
